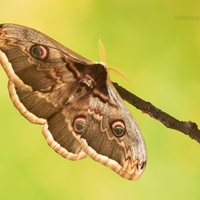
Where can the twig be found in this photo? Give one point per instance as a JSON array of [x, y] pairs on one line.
[[187, 127]]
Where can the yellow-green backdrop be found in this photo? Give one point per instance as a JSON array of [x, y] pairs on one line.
[[157, 46]]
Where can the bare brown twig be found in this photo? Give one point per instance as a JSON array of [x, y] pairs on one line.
[[187, 127]]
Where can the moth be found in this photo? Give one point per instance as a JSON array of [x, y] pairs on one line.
[[74, 100]]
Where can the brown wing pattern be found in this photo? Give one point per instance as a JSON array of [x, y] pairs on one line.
[[73, 98]]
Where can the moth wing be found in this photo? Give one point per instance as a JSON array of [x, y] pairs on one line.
[[125, 154], [40, 89]]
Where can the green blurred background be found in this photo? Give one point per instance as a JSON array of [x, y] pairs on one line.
[[160, 57]]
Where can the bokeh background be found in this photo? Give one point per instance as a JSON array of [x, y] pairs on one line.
[[159, 55]]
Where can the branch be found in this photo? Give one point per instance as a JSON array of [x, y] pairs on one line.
[[187, 127]]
